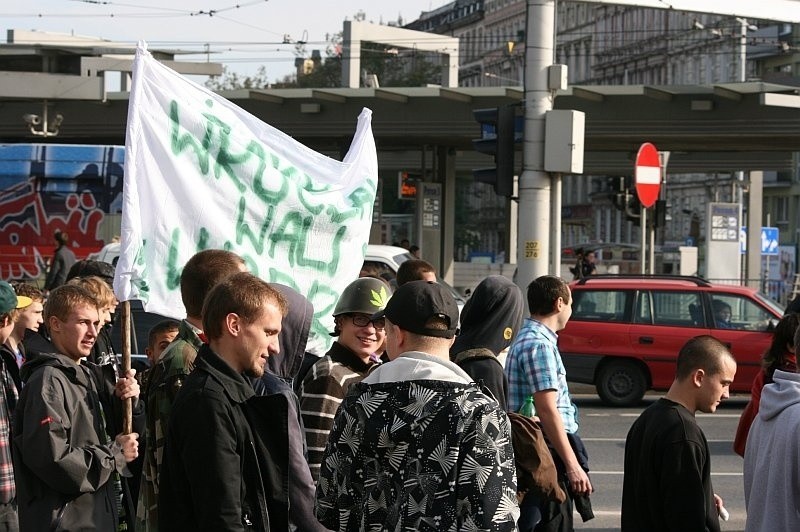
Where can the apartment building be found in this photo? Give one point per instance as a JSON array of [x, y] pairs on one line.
[[606, 44]]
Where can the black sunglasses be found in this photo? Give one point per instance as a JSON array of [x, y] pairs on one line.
[[360, 320]]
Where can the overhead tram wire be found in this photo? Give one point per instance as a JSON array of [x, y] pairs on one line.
[[163, 12], [209, 12], [214, 12], [136, 6]]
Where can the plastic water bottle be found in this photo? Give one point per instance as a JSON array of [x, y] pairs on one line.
[[527, 409]]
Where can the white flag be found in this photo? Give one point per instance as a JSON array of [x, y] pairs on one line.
[[202, 173]]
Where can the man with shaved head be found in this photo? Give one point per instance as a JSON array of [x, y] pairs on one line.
[[667, 482]]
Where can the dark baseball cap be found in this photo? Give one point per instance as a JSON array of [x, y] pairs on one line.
[[414, 303], [89, 267], [9, 300]]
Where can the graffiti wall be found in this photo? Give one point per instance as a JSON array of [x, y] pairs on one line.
[[46, 188]]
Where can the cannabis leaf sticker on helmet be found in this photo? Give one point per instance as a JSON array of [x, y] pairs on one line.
[[379, 299]]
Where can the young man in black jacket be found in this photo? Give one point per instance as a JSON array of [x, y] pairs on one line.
[[223, 469]]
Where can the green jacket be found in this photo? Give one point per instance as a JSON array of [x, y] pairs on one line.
[[163, 383]]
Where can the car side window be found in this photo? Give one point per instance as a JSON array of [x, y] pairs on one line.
[[379, 270], [374, 268], [599, 305], [733, 311], [674, 308], [644, 308]]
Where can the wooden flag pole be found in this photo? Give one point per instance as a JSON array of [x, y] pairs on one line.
[[127, 404]]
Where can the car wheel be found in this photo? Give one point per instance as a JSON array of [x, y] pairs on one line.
[[621, 383]]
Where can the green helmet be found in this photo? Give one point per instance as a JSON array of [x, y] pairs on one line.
[[365, 295]]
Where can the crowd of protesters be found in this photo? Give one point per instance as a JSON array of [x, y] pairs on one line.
[[405, 423]]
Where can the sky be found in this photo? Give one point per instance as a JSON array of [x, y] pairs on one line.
[[243, 37]]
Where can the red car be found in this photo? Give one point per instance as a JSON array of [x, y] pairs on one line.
[[626, 331]]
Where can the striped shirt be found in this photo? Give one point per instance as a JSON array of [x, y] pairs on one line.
[[534, 365], [321, 393]]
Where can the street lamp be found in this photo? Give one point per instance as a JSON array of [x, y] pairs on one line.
[[49, 128]]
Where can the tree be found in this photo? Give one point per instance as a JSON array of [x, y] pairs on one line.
[[399, 68], [232, 80]]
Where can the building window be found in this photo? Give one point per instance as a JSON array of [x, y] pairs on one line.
[[781, 210]]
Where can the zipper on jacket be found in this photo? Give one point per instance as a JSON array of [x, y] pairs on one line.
[[60, 516]]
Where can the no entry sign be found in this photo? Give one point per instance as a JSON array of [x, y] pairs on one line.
[[647, 174]]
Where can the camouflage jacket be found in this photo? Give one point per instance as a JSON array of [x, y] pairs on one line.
[[164, 380]]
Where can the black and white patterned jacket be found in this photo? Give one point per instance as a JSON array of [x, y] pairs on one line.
[[418, 446]]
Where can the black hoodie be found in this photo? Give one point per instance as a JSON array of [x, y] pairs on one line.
[[490, 320], [281, 370], [293, 338]]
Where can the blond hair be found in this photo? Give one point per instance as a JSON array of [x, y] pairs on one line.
[[97, 287]]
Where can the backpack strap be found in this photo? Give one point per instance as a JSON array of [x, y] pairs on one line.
[[478, 353]]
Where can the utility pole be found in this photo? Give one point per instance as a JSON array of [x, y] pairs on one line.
[[752, 259], [535, 222]]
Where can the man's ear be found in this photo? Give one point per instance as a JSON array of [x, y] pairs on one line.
[[232, 324], [54, 324], [697, 377], [399, 336]]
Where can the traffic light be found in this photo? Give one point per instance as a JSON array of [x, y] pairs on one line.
[[497, 138], [633, 209], [661, 213], [623, 198]]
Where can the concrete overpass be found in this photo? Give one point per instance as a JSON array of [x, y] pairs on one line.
[[721, 128], [738, 126]]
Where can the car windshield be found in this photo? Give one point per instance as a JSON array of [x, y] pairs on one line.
[[773, 305]]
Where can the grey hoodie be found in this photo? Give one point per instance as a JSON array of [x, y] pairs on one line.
[[416, 365], [63, 461], [772, 458]]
